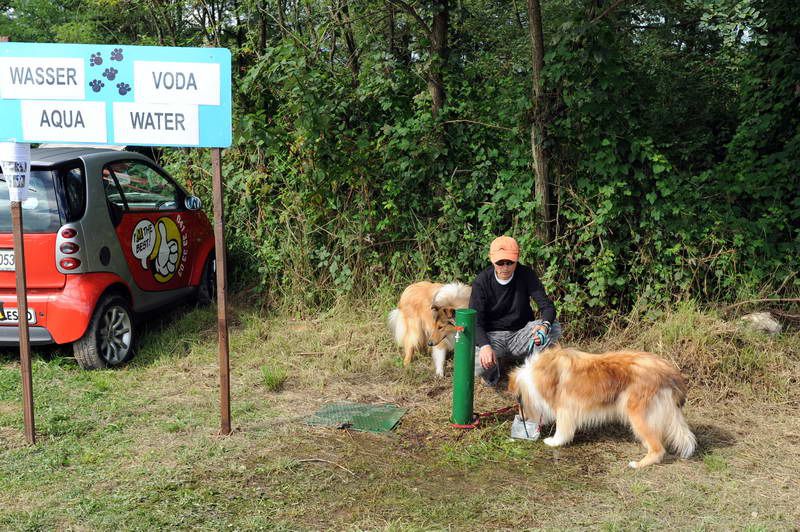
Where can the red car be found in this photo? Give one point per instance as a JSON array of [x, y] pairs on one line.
[[108, 235]]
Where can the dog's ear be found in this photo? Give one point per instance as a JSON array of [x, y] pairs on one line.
[[450, 313]]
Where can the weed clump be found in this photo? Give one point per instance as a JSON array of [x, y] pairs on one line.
[[274, 377]]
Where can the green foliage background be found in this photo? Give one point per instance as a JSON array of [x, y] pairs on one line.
[[672, 130]]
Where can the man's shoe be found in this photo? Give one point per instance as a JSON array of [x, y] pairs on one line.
[[491, 377]]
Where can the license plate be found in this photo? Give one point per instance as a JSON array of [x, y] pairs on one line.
[[11, 315], [6, 260]]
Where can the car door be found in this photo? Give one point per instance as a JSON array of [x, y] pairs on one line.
[[153, 226]]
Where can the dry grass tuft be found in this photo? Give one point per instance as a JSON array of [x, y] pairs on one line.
[[724, 356]]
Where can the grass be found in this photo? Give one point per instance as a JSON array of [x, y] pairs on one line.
[[715, 462], [136, 448], [717, 353], [274, 377]]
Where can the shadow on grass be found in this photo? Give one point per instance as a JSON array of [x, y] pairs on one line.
[[710, 437], [612, 432], [174, 332], [47, 353]]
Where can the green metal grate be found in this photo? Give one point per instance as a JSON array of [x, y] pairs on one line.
[[356, 416]]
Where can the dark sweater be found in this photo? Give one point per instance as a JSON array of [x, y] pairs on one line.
[[507, 308]]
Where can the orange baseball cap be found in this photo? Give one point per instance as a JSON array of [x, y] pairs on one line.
[[504, 248]]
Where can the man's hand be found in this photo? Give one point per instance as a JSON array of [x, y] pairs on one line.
[[537, 339], [486, 355]]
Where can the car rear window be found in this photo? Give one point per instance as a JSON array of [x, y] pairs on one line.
[[73, 187], [40, 212]]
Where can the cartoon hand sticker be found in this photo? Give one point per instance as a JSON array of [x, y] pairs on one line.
[[167, 259]]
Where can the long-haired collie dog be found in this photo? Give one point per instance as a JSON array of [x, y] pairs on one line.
[[577, 389], [424, 318]]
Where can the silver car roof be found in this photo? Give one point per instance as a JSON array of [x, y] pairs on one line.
[[55, 156]]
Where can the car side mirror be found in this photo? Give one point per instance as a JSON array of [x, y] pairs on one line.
[[193, 203]]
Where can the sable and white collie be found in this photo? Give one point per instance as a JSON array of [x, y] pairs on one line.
[[577, 389], [425, 317]]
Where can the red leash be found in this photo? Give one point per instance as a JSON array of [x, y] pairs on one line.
[[477, 417]]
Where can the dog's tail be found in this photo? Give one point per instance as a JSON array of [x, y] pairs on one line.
[[676, 431], [397, 325], [452, 295]]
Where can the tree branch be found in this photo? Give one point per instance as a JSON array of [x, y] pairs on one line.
[[776, 300], [516, 14], [479, 123], [305, 460], [608, 10], [413, 12]]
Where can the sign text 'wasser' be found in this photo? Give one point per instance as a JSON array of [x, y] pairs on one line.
[[115, 94]]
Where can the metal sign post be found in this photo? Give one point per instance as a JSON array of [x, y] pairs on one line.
[[222, 293], [22, 288], [121, 95], [22, 313]]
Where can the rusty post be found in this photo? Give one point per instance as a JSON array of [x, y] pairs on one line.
[[222, 292], [22, 316]]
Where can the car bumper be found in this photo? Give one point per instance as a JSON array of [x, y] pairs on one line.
[[9, 335], [62, 315]]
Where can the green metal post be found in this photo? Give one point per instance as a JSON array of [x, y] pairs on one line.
[[464, 367]]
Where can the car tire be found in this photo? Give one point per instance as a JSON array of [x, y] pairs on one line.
[[207, 289], [109, 338]]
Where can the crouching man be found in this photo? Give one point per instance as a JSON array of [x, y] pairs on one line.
[[505, 322]]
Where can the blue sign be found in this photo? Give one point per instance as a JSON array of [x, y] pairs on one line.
[[115, 94]]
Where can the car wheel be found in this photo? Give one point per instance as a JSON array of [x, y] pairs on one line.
[[108, 340], [207, 289]]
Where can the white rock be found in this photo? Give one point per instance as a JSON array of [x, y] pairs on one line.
[[763, 322]]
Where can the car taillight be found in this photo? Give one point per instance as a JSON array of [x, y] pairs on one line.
[[70, 264], [69, 248]]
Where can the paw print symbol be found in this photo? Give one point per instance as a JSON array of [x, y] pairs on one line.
[[110, 73], [123, 88], [96, 85], [96, 59], [116, 54]]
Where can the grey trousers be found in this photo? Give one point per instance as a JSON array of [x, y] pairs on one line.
[[511, 349]]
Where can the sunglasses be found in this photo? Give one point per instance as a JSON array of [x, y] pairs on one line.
[[504, 263]]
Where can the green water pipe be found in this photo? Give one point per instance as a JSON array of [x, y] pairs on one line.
[[464, 367]]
